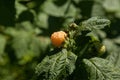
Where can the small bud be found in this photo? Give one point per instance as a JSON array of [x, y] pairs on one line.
[[73, 26], [102, 50]]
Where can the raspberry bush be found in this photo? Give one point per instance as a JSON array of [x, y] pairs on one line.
[[89, 50]]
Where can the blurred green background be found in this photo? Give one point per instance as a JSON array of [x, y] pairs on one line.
[[26, 26]]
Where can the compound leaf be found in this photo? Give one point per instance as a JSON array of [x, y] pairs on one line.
[[94, 23], [101, 69], [56, 67]]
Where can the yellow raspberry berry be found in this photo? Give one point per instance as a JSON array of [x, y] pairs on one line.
[[58, 38]]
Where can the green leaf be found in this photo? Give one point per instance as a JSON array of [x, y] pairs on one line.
[[117, 40], [114, 52], [2, 44], [10, 31], [42, 20], [114, 57], [97, 10], [77, 1], [27, 45], [111, 6], [57, 67], [26, 25], [110, 45], [19, 8], [67, 9], [21, 43], [101, 69], [117, 14], [94, 23], [44, 42], [50, 8]]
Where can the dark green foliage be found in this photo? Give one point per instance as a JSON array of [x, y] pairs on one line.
[[62, 64], [7, 12], [101, 69], [57, 67], [25, 29]]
